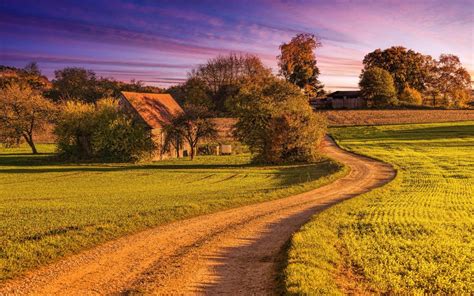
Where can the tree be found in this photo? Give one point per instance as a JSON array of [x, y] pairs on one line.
[[276, 122], [101, 131], [452, 80], [30, 75], [407, 67], [410, 97], [220, 79], [298, 65], [193, 92], [22, 112], [76, 84], [192, 126], [377, 85]]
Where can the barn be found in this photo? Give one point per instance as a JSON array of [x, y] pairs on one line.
[[154, 111], [347, 100]]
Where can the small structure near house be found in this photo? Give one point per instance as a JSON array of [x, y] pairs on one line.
[[347, 100], [226, 149], [155, 111]]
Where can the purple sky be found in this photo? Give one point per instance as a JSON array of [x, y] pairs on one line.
[[158, 42]]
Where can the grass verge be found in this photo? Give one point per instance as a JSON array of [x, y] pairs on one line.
[[412, 236]]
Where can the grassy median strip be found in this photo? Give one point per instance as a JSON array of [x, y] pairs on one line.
[[48, 210], [414, 235]]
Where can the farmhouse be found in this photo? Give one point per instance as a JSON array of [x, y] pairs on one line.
[[347, 100], [155, 111]]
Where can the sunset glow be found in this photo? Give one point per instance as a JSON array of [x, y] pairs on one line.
[[158, 42]]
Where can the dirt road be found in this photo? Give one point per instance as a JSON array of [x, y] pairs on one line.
[[235, 251]]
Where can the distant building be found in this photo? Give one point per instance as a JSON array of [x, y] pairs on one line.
[[155, 111], [346, 100]]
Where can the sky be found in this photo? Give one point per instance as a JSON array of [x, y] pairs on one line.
[[159, 42]]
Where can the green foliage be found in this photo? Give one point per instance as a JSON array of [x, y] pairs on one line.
[[407, 67], [101, 132], [216, 83], [297, 63], [192, 126], [377, 85], [50, 210], [410, 97], [277, 123], [412, 236], [79, 84]]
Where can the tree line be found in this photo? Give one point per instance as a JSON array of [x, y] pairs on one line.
[[274, 118], [397, 76]]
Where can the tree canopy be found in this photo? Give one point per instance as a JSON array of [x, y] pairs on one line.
[[277, 123], [298, 64], [377, 85], [192, 126], [407, 67], [22, 112], [215, 83]]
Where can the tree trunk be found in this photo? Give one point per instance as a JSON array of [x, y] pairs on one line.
[[29, 140], [192, 152]]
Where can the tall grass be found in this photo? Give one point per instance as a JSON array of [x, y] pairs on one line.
[[413, 236]]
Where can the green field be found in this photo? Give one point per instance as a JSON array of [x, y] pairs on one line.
[[48, 209], [413, 236]]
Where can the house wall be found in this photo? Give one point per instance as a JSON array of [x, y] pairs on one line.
[[349, 103]]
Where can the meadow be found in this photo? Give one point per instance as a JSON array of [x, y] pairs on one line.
[[50, 209], [415, 235]]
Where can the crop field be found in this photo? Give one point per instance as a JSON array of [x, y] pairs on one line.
[[415, 235], [379, 117], [48, 209]]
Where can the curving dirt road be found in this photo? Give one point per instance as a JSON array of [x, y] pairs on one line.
[[235, 251]]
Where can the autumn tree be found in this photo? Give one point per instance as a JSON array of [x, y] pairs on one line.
[[452, 80], [22, 112], [30, 75], [191, 126], [277, 123], [407, 67], [377, 85], [298, 64], [410, 97]]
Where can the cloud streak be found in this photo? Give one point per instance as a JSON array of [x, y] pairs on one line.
[[161, 41]]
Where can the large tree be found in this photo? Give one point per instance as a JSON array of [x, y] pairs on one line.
[[298, 64], [377, 85], [277, 123], [22, 112], [407, 67], [77, 84], [219, 80], [452, 80]]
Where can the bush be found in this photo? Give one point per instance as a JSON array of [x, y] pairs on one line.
[[101, 132], [410, 97], [277, 124]]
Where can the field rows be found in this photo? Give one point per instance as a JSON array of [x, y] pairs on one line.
[[415, 235]]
